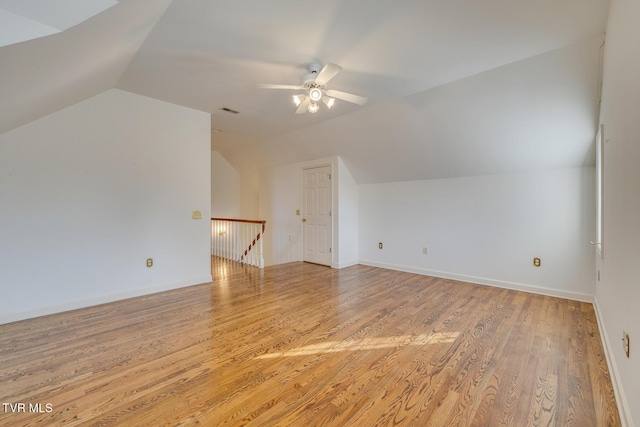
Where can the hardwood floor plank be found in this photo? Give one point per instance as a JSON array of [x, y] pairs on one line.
[[305, 345]]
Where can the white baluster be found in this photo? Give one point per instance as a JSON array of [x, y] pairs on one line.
[[251, 237], [260, 256], [247, 257], [236, 244], [244, 243], [247, 232], [218, 239], [253, 246], [215, 238]]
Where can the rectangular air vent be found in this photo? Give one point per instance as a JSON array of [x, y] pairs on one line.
[[229, 110]]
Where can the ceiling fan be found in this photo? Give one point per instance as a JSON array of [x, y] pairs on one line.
[[314, 87]]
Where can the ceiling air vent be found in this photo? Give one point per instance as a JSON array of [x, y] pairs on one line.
[[229, 110]]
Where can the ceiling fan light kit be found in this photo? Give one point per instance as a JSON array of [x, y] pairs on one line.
[[328, 101], [314, 84], [315, 94], [297, 99]]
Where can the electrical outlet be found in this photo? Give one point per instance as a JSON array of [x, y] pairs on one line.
[[425, 251], [149, 262], [380, 245], [536, 262], [625, 342]]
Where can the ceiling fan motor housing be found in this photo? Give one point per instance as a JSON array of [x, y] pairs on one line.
[[309, 79]]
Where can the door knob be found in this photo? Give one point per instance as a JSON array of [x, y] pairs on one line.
[[304, 219]]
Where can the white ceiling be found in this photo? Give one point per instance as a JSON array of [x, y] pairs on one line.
[[40, 76], [22, 20], [455, 87]]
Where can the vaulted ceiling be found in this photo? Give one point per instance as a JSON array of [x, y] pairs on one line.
[[455, 87]]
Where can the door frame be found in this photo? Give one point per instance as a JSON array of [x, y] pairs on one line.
[[334, 191]]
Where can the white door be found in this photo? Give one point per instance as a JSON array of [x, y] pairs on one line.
[[316, 219]]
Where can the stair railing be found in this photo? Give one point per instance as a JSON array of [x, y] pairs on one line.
[[238, 240]]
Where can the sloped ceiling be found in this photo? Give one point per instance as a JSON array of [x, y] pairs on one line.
[[537, 113], [455, 87], [22, 20], [40, 76]]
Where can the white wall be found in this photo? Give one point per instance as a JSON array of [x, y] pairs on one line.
[[347, 217], [233, 194], [225, 188], [280, 197], [618, 292], [90, 192], [486, 229], [249, 195]]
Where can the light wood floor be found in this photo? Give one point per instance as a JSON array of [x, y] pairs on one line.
[[305, 345]]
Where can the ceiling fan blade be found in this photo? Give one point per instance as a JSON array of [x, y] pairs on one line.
[[302, 108], [328, 72], [270, 86], [349, 97]]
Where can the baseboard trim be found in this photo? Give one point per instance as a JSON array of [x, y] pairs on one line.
[[103, 299], [621, 399], [345, 264], [575, 296]]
